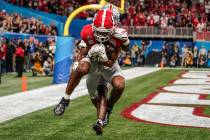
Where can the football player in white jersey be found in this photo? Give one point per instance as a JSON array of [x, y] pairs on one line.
[[100, 77]]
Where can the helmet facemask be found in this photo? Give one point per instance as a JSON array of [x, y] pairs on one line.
[[102, 34]]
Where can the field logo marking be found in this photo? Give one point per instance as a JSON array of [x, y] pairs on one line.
[[180, 104]]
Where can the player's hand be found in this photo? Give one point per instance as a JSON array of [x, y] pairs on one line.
[[98, 51], [103, 57], [93, 51]]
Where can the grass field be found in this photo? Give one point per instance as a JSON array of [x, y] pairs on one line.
[[76, 124], [11, 85]]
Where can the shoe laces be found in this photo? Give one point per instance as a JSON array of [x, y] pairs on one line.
[[100, 122]]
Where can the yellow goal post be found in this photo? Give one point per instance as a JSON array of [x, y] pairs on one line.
[[88, 7]]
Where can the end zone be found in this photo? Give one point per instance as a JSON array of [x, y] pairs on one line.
[[182, 105]]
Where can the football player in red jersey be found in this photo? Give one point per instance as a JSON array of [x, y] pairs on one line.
[[100, 49]]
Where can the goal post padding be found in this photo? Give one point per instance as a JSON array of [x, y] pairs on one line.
[[63, 59]]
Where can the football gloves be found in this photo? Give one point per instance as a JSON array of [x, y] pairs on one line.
[[98, 52]]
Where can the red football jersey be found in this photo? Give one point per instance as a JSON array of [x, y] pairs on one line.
[[87, 35]]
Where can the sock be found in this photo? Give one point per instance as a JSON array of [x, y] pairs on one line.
[[66, 96], [100, 121]]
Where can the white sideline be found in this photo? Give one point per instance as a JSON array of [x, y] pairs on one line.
[[22, 103]]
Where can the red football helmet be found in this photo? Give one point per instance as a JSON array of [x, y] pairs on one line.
[[103, 25]]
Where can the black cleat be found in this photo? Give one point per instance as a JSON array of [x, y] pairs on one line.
[[98, 127], [60, 108], [106, 120]]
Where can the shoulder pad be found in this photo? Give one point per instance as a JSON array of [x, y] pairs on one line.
[[86, 30], [120, 34]]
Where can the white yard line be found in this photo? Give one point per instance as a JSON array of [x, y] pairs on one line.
[[184, 92], [179, 99], [19, 104], [170, 115]]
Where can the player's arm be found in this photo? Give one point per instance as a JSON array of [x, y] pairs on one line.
[[113, 58], [125, 45], [114, 55], [83, 52], [122, 35]]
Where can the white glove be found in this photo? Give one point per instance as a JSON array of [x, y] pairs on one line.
[[98, 51], [75, 65], [103, 57], [82, 44]]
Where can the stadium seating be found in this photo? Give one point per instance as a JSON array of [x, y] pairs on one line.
[[161, 13], [19, 24]]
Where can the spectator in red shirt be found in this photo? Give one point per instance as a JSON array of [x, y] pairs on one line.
[[3, 53], [142, 19], [131, 10], [20, 53], [195, 22], [151, 21], [127, 21], [136, 20]]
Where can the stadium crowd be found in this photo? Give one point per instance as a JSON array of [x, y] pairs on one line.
[[188, 56], [19, 24], [158, 13], [30, 54], [171, 55], [164, 13], [60, 7]]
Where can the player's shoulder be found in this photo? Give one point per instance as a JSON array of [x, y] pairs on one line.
[[120, 33], [87, 35], [87, 30]]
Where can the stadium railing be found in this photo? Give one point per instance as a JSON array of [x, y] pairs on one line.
[[156, 32], [202, 36]]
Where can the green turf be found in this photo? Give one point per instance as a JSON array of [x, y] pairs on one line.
[[77, 122], [11, 85]]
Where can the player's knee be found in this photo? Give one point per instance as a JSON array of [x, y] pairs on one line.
[[83, 68], [119, 83]]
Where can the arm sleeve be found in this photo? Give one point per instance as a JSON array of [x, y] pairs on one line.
[[122, 35]]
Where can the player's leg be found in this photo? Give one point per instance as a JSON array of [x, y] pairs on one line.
[[117, 81], [101, 106], [92, 81], [75, 77], [118, 84], [102, 91], [98, 89]]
